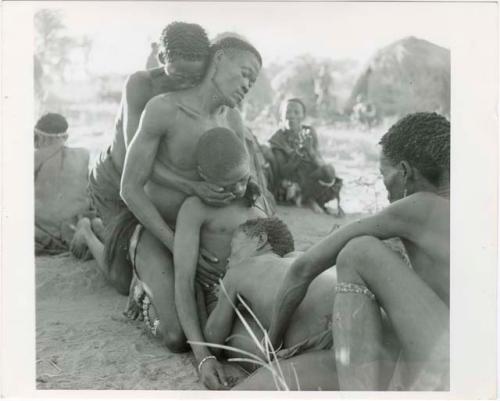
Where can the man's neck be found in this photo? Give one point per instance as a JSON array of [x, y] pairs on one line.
[[257, 257], [210, 98], [444, 191]]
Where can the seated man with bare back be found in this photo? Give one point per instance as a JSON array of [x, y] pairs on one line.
[[168, 133], [415, 164]]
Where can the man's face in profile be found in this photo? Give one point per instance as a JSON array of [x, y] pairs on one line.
[[393, 179], [242, 247]]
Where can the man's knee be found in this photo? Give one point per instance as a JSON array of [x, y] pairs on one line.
[[175, 341], [357, 253], [120, 276]]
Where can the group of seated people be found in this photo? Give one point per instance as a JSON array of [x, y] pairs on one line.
[[350, 313]]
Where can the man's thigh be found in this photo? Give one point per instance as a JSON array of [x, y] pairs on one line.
[[419, 317]]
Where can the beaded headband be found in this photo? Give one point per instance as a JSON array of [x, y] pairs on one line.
[[47, 134]]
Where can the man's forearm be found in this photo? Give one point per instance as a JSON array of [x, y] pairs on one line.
[[291, 293], [145, 211], [190, 322]]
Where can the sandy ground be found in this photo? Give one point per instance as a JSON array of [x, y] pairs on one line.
[[84, 341]]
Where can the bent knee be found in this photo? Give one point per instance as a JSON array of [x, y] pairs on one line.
[[120, 280], [358, 252], [175, 342]]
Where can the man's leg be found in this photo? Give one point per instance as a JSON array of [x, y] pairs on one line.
[[419, 317], [119, 273], [155, 269], [310, 371]]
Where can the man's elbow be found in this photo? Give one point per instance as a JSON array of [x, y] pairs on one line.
[[127, 193]]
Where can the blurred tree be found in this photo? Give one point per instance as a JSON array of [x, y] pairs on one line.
[[52, 46]]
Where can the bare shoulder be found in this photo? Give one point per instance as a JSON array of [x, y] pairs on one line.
[[419, 205], [419, 213], [138, 86], [193, 209], [161, 108], [78, 153]]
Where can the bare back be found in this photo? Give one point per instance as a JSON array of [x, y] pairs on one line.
[[256, 281], [140, 88], [428, 245]]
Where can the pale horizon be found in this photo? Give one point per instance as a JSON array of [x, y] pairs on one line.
[[280, 31]]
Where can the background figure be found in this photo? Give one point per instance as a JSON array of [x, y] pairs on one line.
[[152, 61], [60, 185], [296, 159]]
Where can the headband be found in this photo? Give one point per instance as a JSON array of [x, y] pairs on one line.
[[47, 134]]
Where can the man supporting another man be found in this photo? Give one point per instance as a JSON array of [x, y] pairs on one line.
[[168, 133], [415, 164]]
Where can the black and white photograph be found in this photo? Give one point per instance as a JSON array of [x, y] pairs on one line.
[[256, 196]]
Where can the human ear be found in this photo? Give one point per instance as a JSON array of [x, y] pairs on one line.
[[406, 169], [262, 241]]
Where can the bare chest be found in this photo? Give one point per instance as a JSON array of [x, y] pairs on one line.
[[178, 149]]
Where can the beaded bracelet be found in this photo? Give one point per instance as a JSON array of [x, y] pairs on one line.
[[204, 360]]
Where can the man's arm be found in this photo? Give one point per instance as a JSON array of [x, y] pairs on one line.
[[313, 148], [397, 220], [137, 93], [210, 193], [220, 322], [139, 166], [186, 250], [286, 167]]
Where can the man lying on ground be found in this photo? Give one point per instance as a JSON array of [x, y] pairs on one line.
[[261, 253], [415, 164], [169, 131], [60, 185]]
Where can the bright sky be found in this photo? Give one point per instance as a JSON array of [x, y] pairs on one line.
[[122, 31]]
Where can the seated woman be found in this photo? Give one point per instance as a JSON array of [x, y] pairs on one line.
[[296, 159], [60, 185], [415, 164]]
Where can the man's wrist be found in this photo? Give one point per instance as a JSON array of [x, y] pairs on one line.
[[203, 360]]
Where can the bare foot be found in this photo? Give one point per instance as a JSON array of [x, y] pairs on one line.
[[337, 213], [78, 244], [133, 310], [315, 207], [98, 228]]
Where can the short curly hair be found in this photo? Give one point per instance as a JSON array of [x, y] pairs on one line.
[[423, 140], [218, 151], [183, 40], [52, 123], [229, 43], [278, 235]]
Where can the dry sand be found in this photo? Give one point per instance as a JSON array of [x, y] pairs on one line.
[[84, 341]]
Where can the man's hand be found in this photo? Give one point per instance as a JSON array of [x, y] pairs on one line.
[[207, 274], [211, 194], [213, 376]]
